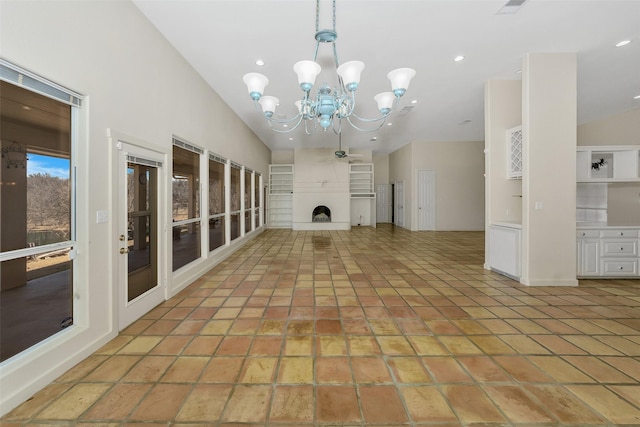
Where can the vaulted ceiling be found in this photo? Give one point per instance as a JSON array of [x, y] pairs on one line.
[[222, 39]]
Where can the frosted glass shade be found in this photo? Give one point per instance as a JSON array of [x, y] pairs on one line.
[[385, 101], [298, 106], [350, 73], [307, 72], [256, 83], [269, 104], [400, 78]]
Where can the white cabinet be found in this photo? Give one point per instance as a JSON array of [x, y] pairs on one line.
[[514, 152], [505, 249], [608, 252], [608, 163], [280, 205]]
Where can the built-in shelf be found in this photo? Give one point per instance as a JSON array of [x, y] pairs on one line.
[[280, 196]]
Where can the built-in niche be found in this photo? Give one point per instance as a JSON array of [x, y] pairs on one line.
[[321, 214]]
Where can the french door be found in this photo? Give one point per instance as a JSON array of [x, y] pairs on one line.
[[140, 179]]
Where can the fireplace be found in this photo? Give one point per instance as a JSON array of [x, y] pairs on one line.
[[321, 214]]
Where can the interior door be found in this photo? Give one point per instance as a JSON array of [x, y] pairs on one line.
[[382, 203], [426, 199], [140, 173], [399, 203]]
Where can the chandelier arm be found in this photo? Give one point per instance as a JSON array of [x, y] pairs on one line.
[[366, 130], [285, 121], [382, 117], [287, 130], [339, 131]]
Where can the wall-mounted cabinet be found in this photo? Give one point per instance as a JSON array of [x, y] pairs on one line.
[[514, 153], [608, 163], [280, 205]]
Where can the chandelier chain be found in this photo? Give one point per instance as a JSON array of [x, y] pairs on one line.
[[318, 15]]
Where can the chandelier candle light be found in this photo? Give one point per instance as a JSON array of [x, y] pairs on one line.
[[328, 105]]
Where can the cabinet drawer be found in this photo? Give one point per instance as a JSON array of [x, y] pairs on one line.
[[619, 248], [619, 233], [588, 233], [620, 267]]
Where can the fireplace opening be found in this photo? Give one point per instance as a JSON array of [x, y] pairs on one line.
[[321, 214]]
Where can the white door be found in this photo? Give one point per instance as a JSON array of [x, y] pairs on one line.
[[382, 203], [140, 178], [399, 203], [426, 200]]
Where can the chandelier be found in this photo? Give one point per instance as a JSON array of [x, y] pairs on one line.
[[329, 107]]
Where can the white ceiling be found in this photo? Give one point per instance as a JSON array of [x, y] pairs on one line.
[[222, 39]]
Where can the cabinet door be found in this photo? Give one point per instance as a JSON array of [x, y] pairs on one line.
[[590, 257]]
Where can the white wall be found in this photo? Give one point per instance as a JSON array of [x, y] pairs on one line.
[[459, 168], [400, 167], [618, 129], [138, 85]]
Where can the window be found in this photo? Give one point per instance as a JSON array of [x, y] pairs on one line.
[[248, 180], [235, 191], [37, 215], [256, 196], [216, 202], [186, 204]]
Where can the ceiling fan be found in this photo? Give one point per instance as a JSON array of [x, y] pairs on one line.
[[340, 153]]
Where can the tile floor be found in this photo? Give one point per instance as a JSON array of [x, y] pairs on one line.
[[368, 327]]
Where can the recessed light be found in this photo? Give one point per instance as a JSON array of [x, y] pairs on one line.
[[636, 97], [623, 43], [26, 107], [285, 126], [389, 124], [458, 58], [259, 62], [290, 139], [414, 101]]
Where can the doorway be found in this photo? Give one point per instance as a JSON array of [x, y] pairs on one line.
[[426, 199], [140, 173], [398, 207]]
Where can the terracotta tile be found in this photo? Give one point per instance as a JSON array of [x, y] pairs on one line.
[[628, 392], [118, 402], [409, 370], [427, 345], [33, 405], [363, 346], [298, 345], [113, 369], [234, 346], [470, 327], [244, 327], [258, 370], [292, 404], [356, 327], [413, 327], [368, 370], [607, 404], [483, 369], [248, 404], [328, 327], [521, 369], [557, 345], [599, 370], [188, 327], [140, 345], [446, 370], [395, 345], [459, 345], [272, 327], [382, 404], [333, 370], [295, 370], [149, 369], [216, 327], [202, 345], [497, 326], [426, 404], [622, 344], [337, 405], [82, 369], [331, 346], [161, 327], [384, 327], [523, 344], [517, 405], [266, 346], [115, 344], [471, 404], [222, 370], [627, 365], [74, 402], [560, 370], [185, 369], [491, 344], [171, 345], [300, 327]]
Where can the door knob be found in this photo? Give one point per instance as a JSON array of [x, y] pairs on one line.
[[122, 237], [124, 250]]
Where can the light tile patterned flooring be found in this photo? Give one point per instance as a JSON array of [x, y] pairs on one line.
[[368, 327]]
